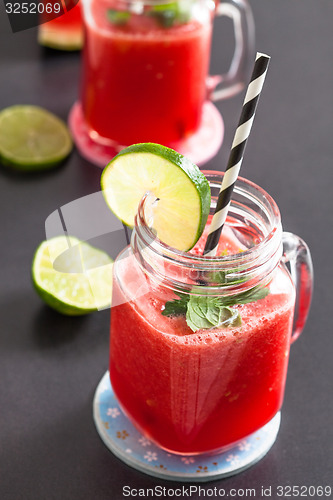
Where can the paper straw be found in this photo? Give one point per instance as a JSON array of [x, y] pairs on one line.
[[237, 151]]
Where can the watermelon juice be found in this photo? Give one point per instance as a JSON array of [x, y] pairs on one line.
[[193, 392], [143, 81]]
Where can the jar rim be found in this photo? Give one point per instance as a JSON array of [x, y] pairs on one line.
[[241, 271], [133, 3], [183, 255]]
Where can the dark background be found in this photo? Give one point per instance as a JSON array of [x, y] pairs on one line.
[[50, 365], [20, 21]]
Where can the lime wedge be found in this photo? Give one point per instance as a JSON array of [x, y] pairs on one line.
[[71, 276], [32, 138], [181, 190]]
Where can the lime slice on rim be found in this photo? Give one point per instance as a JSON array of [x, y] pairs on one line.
[[182, 191], [82, 280], [32, 138]]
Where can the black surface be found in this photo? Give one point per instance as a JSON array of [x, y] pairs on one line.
[[50, 365]]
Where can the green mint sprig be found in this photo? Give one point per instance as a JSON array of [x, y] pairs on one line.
[[176, 307], [256, 293], [166, 14], [208, 312], [169, 13], [118, 17], [204, 311]]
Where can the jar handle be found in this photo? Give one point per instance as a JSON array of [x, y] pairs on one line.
[[297, 257], [229, 84]]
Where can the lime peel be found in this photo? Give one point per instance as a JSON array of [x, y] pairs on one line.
[[182, 190], [32, 138], [68, 291]]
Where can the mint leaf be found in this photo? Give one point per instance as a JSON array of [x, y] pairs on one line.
[[195, 322], [217, 277], [167, 14], [176, 307], [230, 317], [204, 311], [256, 293], [166, 18], [118, 17], [210, 308], [224, 278]]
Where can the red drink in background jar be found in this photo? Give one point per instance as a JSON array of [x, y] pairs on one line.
[[145, 68], [143, 82]]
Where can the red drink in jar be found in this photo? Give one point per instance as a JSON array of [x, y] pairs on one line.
[[145, 68], [143, 82], [201, 391]]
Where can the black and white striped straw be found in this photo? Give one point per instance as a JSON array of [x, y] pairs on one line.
[[237, 151]]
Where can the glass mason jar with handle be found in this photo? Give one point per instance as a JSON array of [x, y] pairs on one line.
[[145, 67], [191, 388]]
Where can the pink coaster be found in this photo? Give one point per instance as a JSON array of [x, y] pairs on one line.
[[199, 147]]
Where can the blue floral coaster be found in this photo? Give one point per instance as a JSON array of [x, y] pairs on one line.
[[128, 444]]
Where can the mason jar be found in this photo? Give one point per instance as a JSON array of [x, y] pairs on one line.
[[145, 66], [203, 388]]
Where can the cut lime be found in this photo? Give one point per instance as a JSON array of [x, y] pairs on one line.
[[72, 276], [32, 138], [182, 191]]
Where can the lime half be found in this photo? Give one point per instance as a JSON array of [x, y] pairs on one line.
[[180, 188], [71, 276], [32, 138]]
